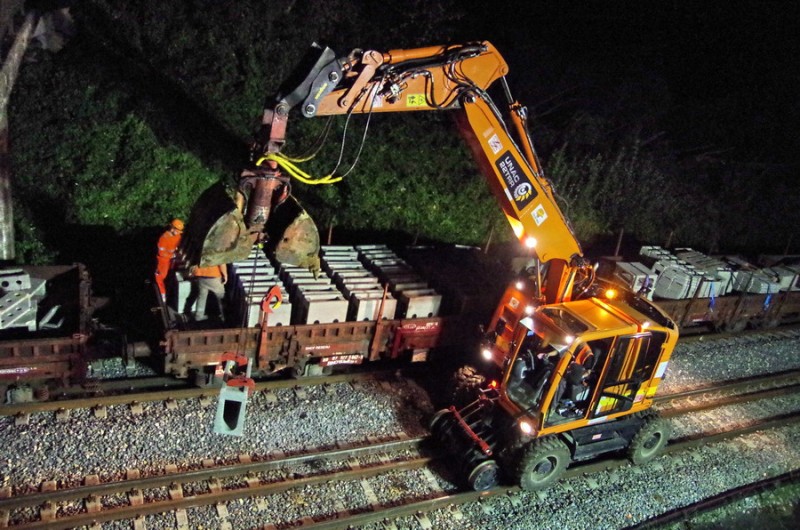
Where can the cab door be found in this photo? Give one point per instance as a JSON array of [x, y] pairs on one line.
[[622, 376]]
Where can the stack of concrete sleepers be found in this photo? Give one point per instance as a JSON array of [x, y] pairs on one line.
[[678, 279], [654, 252], [674, 280], [750, 279], [316, 298], [416, 298], [787, 276], [361, 288], [249, 282], [710, 266], [19, 299], [636, 277]]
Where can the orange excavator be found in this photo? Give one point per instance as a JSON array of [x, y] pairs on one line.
[[569, 368]]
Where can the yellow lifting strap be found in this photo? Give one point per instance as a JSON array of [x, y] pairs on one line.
[[288, 165]]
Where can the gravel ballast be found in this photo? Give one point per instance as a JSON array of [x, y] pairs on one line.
[[343, 413]]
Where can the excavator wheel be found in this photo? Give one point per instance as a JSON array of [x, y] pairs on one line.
[[465, 385], [484, 476], [542, 463], [437, 421], [650, 440]]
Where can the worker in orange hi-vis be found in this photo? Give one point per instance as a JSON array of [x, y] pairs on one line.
[[167, 249], [207, 280]]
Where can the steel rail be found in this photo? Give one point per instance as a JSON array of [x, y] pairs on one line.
[[730, 400], [185, 393], [206, 474], [428, 505], [725, 498], [773, 380]]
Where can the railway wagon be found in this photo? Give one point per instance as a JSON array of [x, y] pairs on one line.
[[298, 346], [45, 316], [312, 349], [734, 312], [700, 312]]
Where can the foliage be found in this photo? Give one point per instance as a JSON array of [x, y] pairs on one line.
[[155, 100], [103, 163], [29, 241], [127, 179], [422, 184], [608, 191]]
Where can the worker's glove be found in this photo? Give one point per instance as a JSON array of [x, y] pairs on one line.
[[192, 270]]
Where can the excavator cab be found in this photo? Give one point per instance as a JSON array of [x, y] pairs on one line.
[[577, 381]]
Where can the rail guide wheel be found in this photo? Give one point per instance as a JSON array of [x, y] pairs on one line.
[[484, 476], [436, 422]]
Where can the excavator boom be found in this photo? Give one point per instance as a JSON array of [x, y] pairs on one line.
[[452, 77]]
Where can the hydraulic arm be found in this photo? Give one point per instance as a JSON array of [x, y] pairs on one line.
[[436, 78]]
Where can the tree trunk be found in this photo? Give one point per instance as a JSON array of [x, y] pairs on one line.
[[8, 76]]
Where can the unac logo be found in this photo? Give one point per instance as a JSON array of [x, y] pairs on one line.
[[522, 192]]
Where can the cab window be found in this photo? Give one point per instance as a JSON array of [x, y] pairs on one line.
[[632, 362]]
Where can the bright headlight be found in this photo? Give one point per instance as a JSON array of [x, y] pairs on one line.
[[525, 427], [487, 354]]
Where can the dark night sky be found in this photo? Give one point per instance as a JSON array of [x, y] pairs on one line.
[[731, 69]]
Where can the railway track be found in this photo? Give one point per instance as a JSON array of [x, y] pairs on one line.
[[464, 497], [122, 393], [686, 513], [104, 393], [213, 484]]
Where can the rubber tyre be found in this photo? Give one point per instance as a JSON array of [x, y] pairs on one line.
[[465, 386], [542, 463], [484, 476], [649, 441]]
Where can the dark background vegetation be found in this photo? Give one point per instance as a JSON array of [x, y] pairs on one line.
[[653, 117]]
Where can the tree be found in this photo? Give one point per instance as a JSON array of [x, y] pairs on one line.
[[8, 76], [50, 25]]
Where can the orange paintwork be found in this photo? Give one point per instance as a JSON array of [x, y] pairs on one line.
[[608, 320], [514, 175]]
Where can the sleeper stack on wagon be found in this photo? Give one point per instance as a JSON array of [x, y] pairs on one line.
[[722, 292], [45, 315], [365, 304]]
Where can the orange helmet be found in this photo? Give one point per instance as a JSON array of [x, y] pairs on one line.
[[177, 224]]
